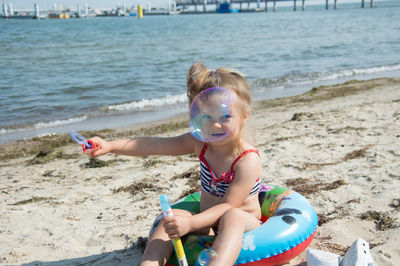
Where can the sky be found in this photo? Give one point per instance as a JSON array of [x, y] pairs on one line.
[[108, 4]]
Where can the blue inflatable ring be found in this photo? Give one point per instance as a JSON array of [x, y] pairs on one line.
[[289, 224]]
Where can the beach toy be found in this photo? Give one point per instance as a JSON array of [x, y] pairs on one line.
[[210, 114], [167, 211], [87, 145], [358, 255], [317, 257], [289, 224]]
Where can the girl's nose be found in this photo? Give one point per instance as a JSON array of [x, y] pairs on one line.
[[217, 124]]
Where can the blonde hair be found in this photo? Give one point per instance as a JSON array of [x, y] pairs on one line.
[[200, 78]]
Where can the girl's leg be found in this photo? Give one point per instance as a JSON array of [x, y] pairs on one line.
[[232, 225], [159, 247]]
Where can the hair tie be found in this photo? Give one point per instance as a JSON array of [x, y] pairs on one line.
[[212, 71]]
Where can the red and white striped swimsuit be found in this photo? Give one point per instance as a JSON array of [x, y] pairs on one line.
[[218, 186]]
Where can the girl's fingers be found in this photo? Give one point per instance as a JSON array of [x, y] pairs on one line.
[[169, 219], [169, 226], [172, 233], [101, 144], [96, 153], [173, 236]]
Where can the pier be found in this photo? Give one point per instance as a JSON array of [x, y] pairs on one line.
[[180, 7], [200, 6]]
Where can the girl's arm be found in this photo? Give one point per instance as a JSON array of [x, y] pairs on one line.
[[141, 146], [247, 172]]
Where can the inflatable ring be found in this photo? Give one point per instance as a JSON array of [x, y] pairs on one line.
[[289, 224]]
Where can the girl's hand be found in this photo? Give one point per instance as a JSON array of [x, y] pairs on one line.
[[103, 147], [177, 226]]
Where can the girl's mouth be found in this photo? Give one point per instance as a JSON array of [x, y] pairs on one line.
[[218, 134]]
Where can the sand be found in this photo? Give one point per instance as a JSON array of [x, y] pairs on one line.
[[339, 146]]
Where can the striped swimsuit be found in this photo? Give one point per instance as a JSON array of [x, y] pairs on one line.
[[218, 186]]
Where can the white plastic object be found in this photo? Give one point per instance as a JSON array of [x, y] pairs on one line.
[[317, 257], [358, 255]]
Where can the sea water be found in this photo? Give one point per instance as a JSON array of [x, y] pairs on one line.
[[83, 74]]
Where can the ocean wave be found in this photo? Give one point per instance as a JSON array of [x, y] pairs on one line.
[[42, 125], [60, 122], [146, 104], [308, 78], [358, 71]]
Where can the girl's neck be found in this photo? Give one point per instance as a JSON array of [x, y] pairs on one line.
[[224, 149]]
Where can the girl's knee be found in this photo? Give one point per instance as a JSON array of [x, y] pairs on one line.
[[180, 212], [159, 219], [233, 214], [238, 218]]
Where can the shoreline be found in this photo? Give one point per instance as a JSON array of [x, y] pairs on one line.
[[337, 145], [91, 122]]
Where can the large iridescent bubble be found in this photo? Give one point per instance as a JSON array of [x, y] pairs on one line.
[[210, 114]]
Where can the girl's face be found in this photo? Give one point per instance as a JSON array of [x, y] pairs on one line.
[[215, 115]]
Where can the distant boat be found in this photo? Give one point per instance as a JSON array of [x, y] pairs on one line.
[[59, 15], [172, 12], [226, 8]]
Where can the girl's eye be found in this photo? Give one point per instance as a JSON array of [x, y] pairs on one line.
[[227, 116], [207, 117]]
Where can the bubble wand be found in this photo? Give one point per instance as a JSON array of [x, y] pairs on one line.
[[87, 145], [177, 243]]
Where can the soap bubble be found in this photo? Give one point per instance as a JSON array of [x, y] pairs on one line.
[[210, 114], [206, 256]]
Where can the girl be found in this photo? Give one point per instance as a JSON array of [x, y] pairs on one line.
[[230, 166]]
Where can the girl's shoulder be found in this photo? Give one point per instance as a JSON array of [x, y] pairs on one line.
[[248, 148], [249, 156]]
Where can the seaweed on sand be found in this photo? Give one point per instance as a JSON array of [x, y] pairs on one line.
[[305, 186], [301, 116], [328, 92], [338, 213], [192, 175], [97, 163], [347, 128], [322, 219], [147, 163], [49, 155], [32, 200], [194, 185], [395, 204], [325, 243], [382, 220], [33, 146], [361, 153], [356, 154], [140, 186]]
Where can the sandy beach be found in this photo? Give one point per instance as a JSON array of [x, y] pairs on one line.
[[339, 146]]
